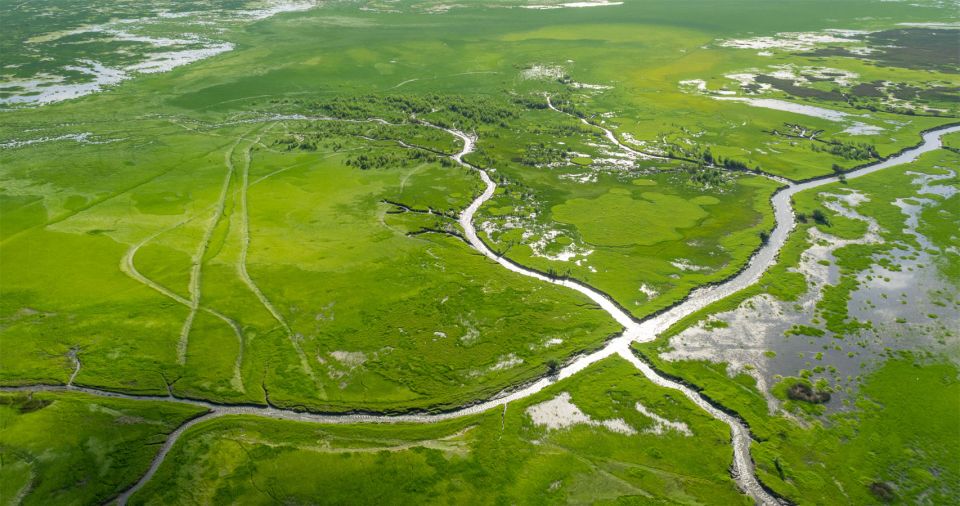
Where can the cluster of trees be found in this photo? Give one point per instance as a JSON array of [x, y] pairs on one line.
[[838, 170], [453, 111], [847, 150], [708, 170], [480, 110], [539, 154], [330, 134], [303, 143], [731, 164], [530, 102], [681, 152], [818, 217], [564, 130], [366, 106], [340, 128], [703, 175], [312, 139], [797, 131], [481, 158], [565, 104], [365, 161], [707, 158]]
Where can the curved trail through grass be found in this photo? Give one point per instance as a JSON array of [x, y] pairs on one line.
[[128, 267], [242, 265], [196, 270], [646, 330]]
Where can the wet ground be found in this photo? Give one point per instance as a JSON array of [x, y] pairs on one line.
[[909, 306]]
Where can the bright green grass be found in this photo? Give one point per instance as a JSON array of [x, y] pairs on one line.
[[486, 459], [895, 434], [69, 448], [653, 218], [381, 319], [377, 319], [422, 338], [668, 235], [952, 140]]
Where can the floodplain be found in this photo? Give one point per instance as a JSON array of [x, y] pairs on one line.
[[396, 252]]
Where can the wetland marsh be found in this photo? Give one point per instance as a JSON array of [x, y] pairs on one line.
[[502, 251]]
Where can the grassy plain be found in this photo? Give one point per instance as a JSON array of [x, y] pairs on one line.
[[492, 458], [174, 232], [648, 244], [367, 316], [952, 141], [79, 449]]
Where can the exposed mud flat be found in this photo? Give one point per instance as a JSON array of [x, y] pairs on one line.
[[80, 138], [572, 5], [783, 105], [794, 41], [561, 413], [768, 338], [662, 425], [48, 88], [855, 123], [191, 36]]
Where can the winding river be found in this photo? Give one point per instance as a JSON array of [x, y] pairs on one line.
[[634, 331]]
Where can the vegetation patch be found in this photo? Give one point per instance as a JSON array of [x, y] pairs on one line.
[[499, 456], [69, 447], [652, 218]]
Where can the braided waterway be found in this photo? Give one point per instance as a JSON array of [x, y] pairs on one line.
[[634, 330]]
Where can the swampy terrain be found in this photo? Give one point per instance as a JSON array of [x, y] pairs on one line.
[[485, 252]]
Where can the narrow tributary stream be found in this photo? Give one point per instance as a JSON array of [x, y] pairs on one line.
[[634, 331]]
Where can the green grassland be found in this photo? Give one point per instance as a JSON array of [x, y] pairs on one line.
[[952, 141], [78, 449], [369, 316], [670, 234], [194, 232], [492, 458]]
